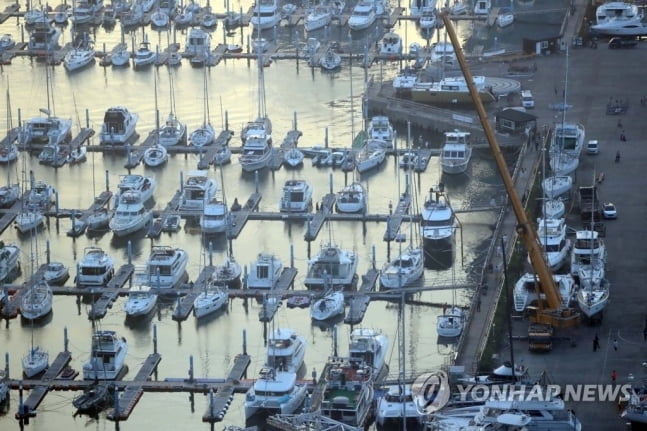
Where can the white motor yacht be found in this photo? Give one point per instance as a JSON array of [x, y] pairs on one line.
[[293, 157], [319, 17], [370, 156], [198, 43], [165, 267], [198, 189], [404, 270], [56, 273], [43, 38], [41, 196], [118, 126], [567, 138], [29, 220], [264, 272], [107, 356], [589, 252], [46, 129], [363, 15], [141, 301], [450, 323], [333, 266], [428, 19], [228, 272], [556, 246], [214, 297], [328, 306], [256, 153], [351, 199], [405, 81], [286, 350], [214, 216], [417, 6], [274, 392], [331, 60], [144, 56], [155, 156], [618, 18], [456, 152], [397, 404], [525, 290], [130, 215], [36, 302], [266, 15], [9, 259], [438, 224], [443, 52], [380, 128], [482, 7], [145, 186], [95, 269], [369, 346], [391, 44], [296, 197]]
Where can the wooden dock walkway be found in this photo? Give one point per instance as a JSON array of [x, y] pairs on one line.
[[315, 224], [359, 303], [9, 11], [37, 393], [239, 218], [135, 153], [12, 136], [395, 220], [10, 214], [109, 293], [131, 395], [79, 224], [285, 282], [185, 303], [219, 403], [208, 157]]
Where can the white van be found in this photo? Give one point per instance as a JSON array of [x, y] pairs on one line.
[[592, 147], [527, 101]]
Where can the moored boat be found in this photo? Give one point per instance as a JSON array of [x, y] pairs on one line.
[[107, 356]]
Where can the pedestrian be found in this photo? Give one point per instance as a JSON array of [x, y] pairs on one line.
[[615, 344], [478, 303], [614, 376], [617, 156], [623, 137], [596, 343]]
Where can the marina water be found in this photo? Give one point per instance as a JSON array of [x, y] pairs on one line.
[[319, 100]]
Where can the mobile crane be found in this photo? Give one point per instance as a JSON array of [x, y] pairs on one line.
[[551, 313]]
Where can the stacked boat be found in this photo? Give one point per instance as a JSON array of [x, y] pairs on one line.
[[588, 260]]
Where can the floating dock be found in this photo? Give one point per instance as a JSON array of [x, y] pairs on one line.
[[11, 307], [208, 157], [109, 293], [37, 393], [359, 302], [395, 220], [314, 225], [185, 303], [219, 403], [239, 218], [131, 395]]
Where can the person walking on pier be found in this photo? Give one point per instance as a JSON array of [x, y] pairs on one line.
[[615, 344], [617, 156], [596, 343]]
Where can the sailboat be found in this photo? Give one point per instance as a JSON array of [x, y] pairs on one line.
[[205, 134], [214, 297], [257, 135], [173, 132], [450, 323], [8, 151]]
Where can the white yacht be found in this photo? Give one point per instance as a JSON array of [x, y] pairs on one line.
[[525, 289], [593, 297], [130, 215], [556, 185], [99, 219], [9, 195], [451, 90], [264, 272], [369, 346], [41, 195], [155, 156], [397, 404], [266, 15], [80, 56], [46, 129], [331, 60], [482, 7], [9, 259], [556, 246], [617, 18], [164, 268], [120, 56], [417, 6], [56, 273], [553, 208], [333, 266], [405, 81], [296, 197], [438, 224], [228, 272], [107, 356], [28, 220], [36, 302], [8, 154], [443, 52], [144, 56], [86, 11], [141, 301], [44, 37], [95, 269], [214, 216], [256, 153], [274, 392], [35, 362], [328, 306], [172, 132], [351, 199], [118, 126], [391, 45], [456, 152], [428, 19], [286, 350], [363, 15], [145, 186], [589, 253], [293, 157], [404, 270], [197, 190], [214, 297], [372, 155], [568, 138], [319, 17], [380, 128], [450, 323]]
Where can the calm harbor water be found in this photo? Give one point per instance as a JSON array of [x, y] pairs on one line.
[[320, 100]]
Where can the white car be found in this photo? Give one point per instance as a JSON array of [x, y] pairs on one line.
[[609, 211]]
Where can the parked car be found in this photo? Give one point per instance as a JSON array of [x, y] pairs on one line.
[[621, 42], [609, 211]]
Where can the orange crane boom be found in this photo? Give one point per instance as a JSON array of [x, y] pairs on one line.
[[555, 313]]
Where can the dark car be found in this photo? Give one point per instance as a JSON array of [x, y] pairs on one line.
[[621, 42]]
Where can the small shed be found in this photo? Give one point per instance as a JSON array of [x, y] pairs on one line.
[[542, 45], [511, 120]]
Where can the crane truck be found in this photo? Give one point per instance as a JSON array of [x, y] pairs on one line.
[[552, 312]]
